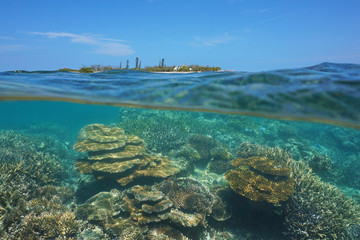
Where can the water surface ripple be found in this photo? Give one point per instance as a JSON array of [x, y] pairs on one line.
[[327, 92]]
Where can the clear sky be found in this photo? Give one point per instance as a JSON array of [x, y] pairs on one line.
[[250, 35]]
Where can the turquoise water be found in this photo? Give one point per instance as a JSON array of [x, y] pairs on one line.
[[325, 92], [218, 155]]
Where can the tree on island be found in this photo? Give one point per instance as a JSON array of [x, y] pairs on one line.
[[161, 68], [137, 63]]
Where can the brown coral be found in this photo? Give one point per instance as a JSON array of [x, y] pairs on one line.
[[220, 160], [189, 196], [262, 178], [144, 203], [155, 206], [113, 154], [221, 210], [203, 144], [264, 165], [165, 232], [149, 204]]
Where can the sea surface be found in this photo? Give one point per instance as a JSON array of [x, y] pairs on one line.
[[126, 154]]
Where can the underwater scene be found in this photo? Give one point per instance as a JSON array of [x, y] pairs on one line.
[[216, 155]]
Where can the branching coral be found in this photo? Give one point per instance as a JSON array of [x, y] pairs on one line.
[[115, 155], [319, 162], [21, 183], [31, 156], [262, 178], [30, 207], [60, 225], [40, 215], [163, 131], [319, 210]]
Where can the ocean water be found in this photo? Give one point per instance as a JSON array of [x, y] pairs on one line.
[[214, 155]]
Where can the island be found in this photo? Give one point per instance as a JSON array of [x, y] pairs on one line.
[[161, 68]]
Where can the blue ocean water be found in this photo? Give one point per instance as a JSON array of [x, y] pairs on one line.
[[325, 92], [218, 155]]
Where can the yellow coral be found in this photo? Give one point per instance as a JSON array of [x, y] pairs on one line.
[[264, 165], [261, 179], [113, 154]]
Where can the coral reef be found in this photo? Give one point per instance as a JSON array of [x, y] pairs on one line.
[[298, 147], [163, 131], [32, 156], [39, 167], [92, 232], [221, 209], [160, 210], [203, 145], [189, 196], [45, 159], [232, 234], [204, 206], [24, 172], [50, 225], [247, 149], [319, 210], [98, 209], [183, 202], [42, 214], [115, 155], [353, 231], [186, 157], [104, 210], [16, 145], [187, 153], [262, 178], [220, 160], [145, 204], [31, 208], [319, 162], [165, 232]]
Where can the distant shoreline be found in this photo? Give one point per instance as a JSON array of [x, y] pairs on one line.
[[174, 72], [155, 69], [77, 71]]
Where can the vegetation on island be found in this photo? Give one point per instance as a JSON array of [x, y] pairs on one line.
[[183, 68], [159, 68], [81, 70]]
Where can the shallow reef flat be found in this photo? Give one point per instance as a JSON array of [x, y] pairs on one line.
[[131, 173]]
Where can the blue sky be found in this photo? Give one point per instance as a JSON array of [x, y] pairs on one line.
[[250, 35]]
